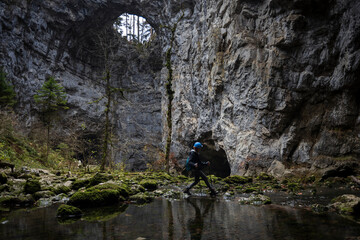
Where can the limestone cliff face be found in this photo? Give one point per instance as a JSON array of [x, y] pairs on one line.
[[272, 83], [44, 38]]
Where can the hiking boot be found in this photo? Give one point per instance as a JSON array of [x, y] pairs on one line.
[[187, 191]]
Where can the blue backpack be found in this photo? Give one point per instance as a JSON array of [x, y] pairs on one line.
[[187, 165]]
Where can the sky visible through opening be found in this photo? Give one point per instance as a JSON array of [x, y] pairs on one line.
[[134, 28]]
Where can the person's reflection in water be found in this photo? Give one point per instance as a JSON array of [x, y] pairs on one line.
[[196, 224]]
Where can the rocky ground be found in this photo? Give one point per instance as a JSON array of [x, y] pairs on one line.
[[78, 191]]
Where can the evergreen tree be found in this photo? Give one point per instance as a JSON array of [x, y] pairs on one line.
[[51, 97], [7, 93]]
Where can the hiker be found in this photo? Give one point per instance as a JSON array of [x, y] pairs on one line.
[[195, 165]]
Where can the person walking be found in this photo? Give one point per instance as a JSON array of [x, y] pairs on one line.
[[196, 167]]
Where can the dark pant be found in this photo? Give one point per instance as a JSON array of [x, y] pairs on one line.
[[198, 174]]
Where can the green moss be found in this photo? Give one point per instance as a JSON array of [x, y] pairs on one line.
[[79, 184], [67, 211], [258, 199], [235, 179], [20, 200], [264, 177], [61, 189], [32, 186], [141, 198], [149, 184], [4, 188], [99, 178], [251, 190], [43, 194], [99, 195], [3, 178], [346, 210]]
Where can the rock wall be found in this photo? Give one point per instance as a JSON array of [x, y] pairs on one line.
[[55, 38], [272, 83]]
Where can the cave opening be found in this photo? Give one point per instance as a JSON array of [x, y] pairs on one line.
[[134, 28], [219, 165]]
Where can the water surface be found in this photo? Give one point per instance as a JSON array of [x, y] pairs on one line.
[[192, 218]]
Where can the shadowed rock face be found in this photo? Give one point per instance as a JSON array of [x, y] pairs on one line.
[[43, 38], [264, 80]]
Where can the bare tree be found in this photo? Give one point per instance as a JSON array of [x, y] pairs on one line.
[[107, 46]]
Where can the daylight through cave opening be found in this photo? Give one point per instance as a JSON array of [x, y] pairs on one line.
[[134, 28]]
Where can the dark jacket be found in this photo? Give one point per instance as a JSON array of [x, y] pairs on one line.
[[194, 158]]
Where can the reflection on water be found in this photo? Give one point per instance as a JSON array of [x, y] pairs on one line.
[[193, 218]]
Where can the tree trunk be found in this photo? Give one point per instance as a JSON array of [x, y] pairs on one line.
[[107, 123], [138, 28]]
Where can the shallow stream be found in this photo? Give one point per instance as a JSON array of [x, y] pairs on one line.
[[190, 218]]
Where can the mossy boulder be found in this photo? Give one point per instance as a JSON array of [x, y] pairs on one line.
[[4, 188], [141, 198], [346, 204], [235, 179], [61, 189], [99, 178], [100, 195], [19, 200], [43, 194], [32, 186], [3, 178], [77, 184], [67, 211], [149, 184]]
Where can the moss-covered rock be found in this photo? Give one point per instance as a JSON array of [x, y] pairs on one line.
[[99, 195], [264, 177], [346, 204], [294, 186], [32, 186], [257, 199], [77, 184], [141, 198], [43, 194], [99, 178], [4, 188], [319, 208], [19, 200], [149, 184], [250, 190], [235, 179], [3, 178], [67, 211], [61, 189]]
